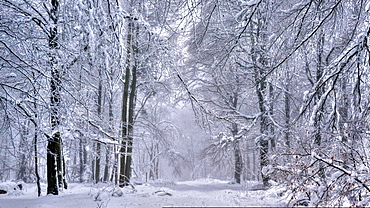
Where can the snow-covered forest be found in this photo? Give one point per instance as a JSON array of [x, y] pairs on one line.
[[269, 96]]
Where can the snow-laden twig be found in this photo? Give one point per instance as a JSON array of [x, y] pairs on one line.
[[102, 131], [206, 110], [309, 96], [342, 169], [308, 37]]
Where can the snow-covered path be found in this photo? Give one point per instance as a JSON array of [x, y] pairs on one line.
[[205, 192]]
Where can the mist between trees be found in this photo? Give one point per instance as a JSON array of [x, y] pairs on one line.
[[117, 91]]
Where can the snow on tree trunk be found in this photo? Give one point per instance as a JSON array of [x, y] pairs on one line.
[[55, 170], [128, 103]]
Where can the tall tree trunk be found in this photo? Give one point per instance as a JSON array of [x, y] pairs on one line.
[[131, 115], [261, 91], [108, 148], [97, 163], [156, 161], [271, 130], [264, 144], [114, 176], [260, 61], [54, 148], [36, 163], [81, 157], [106, 166], [287, 110], [123, 178], [319, 74], [21, 173], [35, 141], [238, 163], [128, 106], [98, 144], [238, 171], [343, 117]]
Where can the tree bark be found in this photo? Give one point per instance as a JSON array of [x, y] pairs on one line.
[[81, 157], [287, 110], [54, 147], [319, 74], [131, 114], [259, 59], [106, 167], [238, 160], [123, 177], [128, 105], [35, 141], [238, 171], [98, 144], [36, 163], [108, 148]]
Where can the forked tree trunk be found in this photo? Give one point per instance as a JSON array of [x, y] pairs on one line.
[[123, 177], [128, 105], [131, 117]]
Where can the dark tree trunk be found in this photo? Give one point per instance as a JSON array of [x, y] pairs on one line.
[[22, 156], [123, 150], [98, 144], [123, 177], [107, 147], [258, 38], [319, 74], [35, 141], [54, 162], [264, 142], [114, 177], [287, 115], [128, 105], [36, 163], [51, 165], [106, 166], [343, 110], [238, 163], [81, 156], [97, 163], [131, 116], [271, 130]]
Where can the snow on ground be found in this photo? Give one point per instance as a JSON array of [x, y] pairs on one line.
[[200, 193]]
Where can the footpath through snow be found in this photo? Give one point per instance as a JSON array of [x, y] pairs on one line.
[[200, 193]]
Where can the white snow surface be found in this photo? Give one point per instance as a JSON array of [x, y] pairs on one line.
[[198, 193]]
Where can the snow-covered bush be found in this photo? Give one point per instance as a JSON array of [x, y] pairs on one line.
[[325, 179], [12, 188]]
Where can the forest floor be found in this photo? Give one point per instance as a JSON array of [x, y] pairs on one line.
[[198, 193]]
